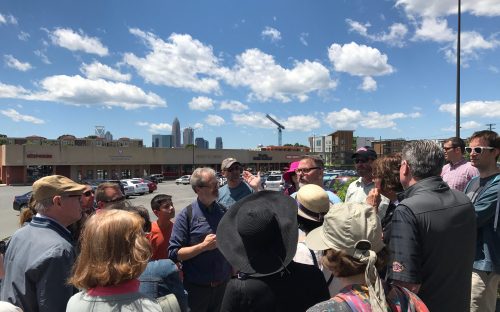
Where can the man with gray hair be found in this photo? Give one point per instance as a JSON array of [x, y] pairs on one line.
[[194, 243], [40, 254], [432, 233]]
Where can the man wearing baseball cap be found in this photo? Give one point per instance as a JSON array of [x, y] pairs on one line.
[[358, 190], [237, 186], [40, 255]]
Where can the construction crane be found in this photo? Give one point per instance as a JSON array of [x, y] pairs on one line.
[[280, 127]]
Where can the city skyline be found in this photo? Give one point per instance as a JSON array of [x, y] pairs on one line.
[[383, 69]]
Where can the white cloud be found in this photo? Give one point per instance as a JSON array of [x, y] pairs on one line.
[[235, 106], [268, 80], [470, 125], [16, 116], [23, 36], [156, 128], [272, 33], [395, 37], [351, 119], [42, 56], [181, 62], [12, 62], [73, 41], [434, 8], [485, 109], [369, 84], [7, 19], [97, 70], [494, 69], [76, 90], [303, 38], [434, 29], [358, 60], [293, 123], [201, 103], [197, 126], [214, 120]]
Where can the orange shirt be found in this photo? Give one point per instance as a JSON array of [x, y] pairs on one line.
[[159, 240]]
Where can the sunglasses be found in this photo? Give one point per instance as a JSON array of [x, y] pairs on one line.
[[360, 161], [305, 170], [116, 200], [478, 149], [88, 193]]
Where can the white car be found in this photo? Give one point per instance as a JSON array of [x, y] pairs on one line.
[[128, 189], [140, 188], [274, 182], [183, 180]]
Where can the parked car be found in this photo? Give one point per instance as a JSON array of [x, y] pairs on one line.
[[183, 180], [127, 190], [151, 185], [156, 176], [274, 182], [221, 179], [327, 177], [21, 201], [140, 188]]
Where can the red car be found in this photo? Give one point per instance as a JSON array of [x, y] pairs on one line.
[[151, 185]]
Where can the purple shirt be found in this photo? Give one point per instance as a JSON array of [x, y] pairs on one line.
[[459, 174]]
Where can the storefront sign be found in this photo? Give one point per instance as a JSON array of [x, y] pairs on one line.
[[262, 157], [38, 156], [293, 156]]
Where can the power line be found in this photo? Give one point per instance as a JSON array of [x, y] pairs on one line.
[[490, 126]]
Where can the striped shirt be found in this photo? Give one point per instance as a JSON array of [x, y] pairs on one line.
[[459, 174]]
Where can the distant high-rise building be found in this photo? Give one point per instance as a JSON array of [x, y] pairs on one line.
[[187, 136], [218, 143], [162, 140], [176, 133], [108, 136], [199, 142], [206, 144]]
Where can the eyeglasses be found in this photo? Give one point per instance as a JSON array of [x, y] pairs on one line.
[[73, 195], [360, 161], [233, 168], [305, 170], [213, 185], [116, 200], [448, 148], [88, 193], [478, 149]]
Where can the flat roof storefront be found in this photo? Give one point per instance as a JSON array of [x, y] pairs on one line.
[[23, 164]]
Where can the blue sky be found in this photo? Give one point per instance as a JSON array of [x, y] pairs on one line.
[[382, 68]]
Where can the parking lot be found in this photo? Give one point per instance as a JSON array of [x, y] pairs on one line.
[[9, 218]]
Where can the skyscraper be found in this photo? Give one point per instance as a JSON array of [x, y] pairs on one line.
[[218, 143], [187, 136], [176, 133], [162, 140]]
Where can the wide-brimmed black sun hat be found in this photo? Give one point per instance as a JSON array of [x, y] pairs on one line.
[[258, 235]]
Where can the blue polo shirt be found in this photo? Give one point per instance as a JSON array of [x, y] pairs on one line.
[[209, 266]]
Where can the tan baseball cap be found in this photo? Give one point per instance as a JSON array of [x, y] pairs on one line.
[[50, 186], [228, 162]]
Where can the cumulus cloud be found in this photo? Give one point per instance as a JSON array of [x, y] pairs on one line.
[[434, 29], [16, 116], [486, 109], [470, 125], [181, 62], [293, 123], [201, 103], [156, 127], [214, 120], [23, 36], [358, 60], [12, 62], [7, 19], [235, 106], [198, 126], [449, 7], [272, 33], [76, 90], [97, 70], [395, 37], [77, 41], [369, 84], [268, 80], [351, 119]]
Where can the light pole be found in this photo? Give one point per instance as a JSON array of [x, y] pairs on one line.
[[458, 74]]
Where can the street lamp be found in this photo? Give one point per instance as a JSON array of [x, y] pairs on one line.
[[458, 74]]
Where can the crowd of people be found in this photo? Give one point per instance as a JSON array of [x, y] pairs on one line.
[[413, 234]]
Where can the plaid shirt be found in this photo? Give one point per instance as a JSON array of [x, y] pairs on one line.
[[459, 174]]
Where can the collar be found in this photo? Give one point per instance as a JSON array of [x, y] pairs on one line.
[[41, 221], [458, 163], [206, 208], [41, 216], [122, 288], [360, 182]]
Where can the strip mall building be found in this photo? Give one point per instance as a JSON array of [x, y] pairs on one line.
[[24, 160]]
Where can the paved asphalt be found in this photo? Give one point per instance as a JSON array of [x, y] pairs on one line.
[[9, 218]]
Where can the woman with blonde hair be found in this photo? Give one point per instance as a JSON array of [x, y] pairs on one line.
[[114, 253]]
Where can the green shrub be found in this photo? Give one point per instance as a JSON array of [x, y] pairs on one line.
[[339, 187]]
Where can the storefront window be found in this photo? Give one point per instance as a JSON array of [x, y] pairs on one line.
[[90, 175], [36, 172]]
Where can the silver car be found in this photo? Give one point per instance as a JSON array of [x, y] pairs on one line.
[[274, 182]]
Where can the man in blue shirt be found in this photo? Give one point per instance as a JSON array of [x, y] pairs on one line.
[[194, 243], [237, 187]]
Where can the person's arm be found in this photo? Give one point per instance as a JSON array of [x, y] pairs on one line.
[[251, 180], [404, 246], [186, 253]]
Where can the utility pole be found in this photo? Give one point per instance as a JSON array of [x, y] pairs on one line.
[[490, 126], [458, 74]]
